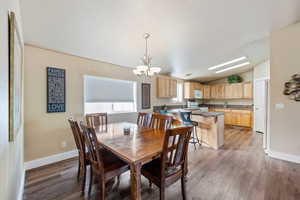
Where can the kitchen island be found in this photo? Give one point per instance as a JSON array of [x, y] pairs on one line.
[[210, 128]]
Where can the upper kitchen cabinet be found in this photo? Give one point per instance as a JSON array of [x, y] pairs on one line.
[[206, 91], [193, 90], [217, 91], [166, 87], [247, 90], [234, 91]]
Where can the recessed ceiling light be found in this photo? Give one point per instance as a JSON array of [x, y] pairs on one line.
[[233, 67], [228, 63]]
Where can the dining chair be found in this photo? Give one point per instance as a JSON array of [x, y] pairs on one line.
[[171, 165], [161, 122], [83, 160], [186, 120], [104, 164], [143, 119], [97, 120]]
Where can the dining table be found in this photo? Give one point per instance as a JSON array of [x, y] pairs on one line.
[[134, 145]]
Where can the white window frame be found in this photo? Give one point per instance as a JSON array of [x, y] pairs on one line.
[[179, 88]]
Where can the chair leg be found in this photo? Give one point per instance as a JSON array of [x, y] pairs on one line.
[[197, 135], [91, 180], [102, 188], [78, 171], [84, 180], [193, 141], [183, 188], [150, 184], [162, 192]]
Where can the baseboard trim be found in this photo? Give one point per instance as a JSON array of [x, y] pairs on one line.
[[21, 188], [284, 156], [50, 159]]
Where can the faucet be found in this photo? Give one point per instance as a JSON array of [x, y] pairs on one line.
[[225, 104]]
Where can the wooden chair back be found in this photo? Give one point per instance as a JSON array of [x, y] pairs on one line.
[[78, 136], [97, 120], [93, 146], [143, 119], [161, 122], [175, 149]]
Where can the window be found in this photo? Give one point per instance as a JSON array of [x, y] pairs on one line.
[[179, 97], [109, 95]]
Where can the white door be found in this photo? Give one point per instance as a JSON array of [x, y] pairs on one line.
[[260, 107]]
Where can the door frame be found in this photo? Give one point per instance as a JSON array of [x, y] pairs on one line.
[[266, 137]]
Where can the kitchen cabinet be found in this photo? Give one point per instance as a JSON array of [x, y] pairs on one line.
[[236, 117], [248, 90], [189, 89], [218, 91], [234, 91], [166, 87], [206, 91]]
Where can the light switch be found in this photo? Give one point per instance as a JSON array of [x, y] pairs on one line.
[[279, 106]]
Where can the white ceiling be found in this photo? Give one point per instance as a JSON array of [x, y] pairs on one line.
[[188, 36]]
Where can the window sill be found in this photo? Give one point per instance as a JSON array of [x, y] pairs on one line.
[[116, 113]]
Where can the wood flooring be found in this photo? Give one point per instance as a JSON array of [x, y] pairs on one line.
[[238, 171]]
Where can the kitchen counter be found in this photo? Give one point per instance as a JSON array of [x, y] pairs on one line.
[[208, 114], [210, 128]]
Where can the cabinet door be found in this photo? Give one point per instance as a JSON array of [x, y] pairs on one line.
[[206, 91], [234, 91], [173, 88], [248, 90], [187, 90], [213, 92], [163, 87], [237, 91], [246, 118], [228, 91], [220, 91]]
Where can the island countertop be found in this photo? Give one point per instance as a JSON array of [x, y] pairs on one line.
[[208, 114]]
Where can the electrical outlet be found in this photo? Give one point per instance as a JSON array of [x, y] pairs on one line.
[[64, 144]]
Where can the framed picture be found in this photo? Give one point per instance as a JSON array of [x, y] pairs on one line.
[[56, 90], [146, 96], [15, 76]]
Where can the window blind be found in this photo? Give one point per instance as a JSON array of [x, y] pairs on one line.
[[98, 89]]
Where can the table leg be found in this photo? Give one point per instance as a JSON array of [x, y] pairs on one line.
[[135, 169]]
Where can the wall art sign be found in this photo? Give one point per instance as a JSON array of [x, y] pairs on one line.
[[292, 88], [146, 95], [56, 90], [15, 76]]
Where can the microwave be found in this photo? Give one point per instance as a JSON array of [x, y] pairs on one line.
[[198, 94]]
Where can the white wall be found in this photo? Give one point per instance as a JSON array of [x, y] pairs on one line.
[[11, 153], [262, 70]]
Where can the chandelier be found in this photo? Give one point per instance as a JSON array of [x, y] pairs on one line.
[[146, 69]]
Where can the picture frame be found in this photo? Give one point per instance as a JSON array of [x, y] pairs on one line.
[[15, 71], [146, 95], [56, 90]]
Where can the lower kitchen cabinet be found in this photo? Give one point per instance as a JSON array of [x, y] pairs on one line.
[[233, 117]]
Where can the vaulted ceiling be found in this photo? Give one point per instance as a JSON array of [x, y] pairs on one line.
[[187, 36]]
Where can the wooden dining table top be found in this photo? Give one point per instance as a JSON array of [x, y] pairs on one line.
[[140, 145]]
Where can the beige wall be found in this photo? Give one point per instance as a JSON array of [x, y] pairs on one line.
[[285, 61], [247, 76], [44, 133], [11, 153]]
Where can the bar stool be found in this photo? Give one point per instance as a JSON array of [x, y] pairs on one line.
[[186, 120]]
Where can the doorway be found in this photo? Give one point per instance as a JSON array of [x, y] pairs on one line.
[[261, 96]]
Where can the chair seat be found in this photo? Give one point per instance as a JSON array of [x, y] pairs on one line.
[[112, 164], [152, 170]]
